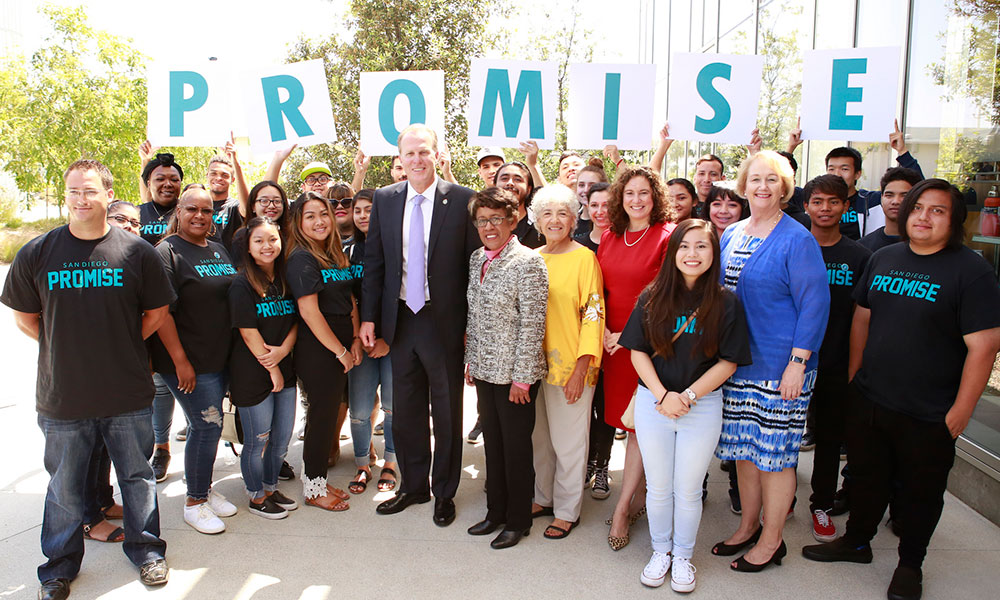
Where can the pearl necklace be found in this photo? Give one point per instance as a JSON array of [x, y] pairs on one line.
[[625, 237], [769, 229]]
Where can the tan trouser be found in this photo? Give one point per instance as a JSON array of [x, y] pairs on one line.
[[560, 449]]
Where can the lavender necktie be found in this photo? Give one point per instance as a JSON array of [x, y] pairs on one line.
[[415, 266]]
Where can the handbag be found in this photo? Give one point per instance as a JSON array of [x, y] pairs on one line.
[[232, 428], [628, 417]]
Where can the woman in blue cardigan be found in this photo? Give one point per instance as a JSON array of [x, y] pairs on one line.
[[776, 269]]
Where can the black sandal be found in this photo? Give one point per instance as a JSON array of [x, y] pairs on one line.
[[545, 511], [359, 487], [562, 532], [112, 538], [385, 484]]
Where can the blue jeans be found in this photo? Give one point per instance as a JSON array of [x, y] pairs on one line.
[[203, 408], [676, 454], [68, 445], [163, 411], [97, 491], [267, 428], [362, 381]]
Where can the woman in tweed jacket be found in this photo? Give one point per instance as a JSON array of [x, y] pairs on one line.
[[508, 295]]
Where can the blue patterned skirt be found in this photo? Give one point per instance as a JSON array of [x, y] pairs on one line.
[[757, 425]]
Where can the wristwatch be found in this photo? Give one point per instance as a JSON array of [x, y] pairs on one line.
[[691, 396], [797, 359]]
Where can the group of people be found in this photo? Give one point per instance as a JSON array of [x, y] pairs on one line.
[[699, 318]]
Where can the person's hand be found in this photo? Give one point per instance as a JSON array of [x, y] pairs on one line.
[[146, 152], [611, 341], [792, 380], [283, 154], [272, 356], [357, 352], [379, 350], [186, 377], [519, 395], [957, 420], [361, 162], [468, 378], [367, 333], [665, 133], [755, 142], [277, 380], [530, 151], [795, 136], [611, 151], [346, 359], [444, 159], [229, 149], [673, 406], [574, 387], [897, 139]]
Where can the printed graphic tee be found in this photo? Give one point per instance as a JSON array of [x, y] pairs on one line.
[[155, 219], [92, 361], [921, 306], [845, 262], [878, 239], [201, 277], [333, 285], [273, 315]]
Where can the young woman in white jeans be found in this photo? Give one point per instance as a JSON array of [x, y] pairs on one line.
[[687, 335]]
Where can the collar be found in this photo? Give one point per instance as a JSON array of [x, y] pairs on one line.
[[430, 193], [491, 254]]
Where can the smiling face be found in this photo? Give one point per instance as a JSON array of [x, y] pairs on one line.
[[705, 174], [892, 198], [165, 185], [723, 212], [513, 179], [194, 214], [556, 222], [220, 177], [494, 227], [86, 198], [637, 199], [316, 220], [568, 170], [362, 214], [929, 223], [694, 254], [396, 171], [315, 182], [764, 188], [825, 210], [125, 216], [682, 201], [264, 244], [343, 215], [598, 206], [584, 182], [419, 158], [488, 169], [269, 203]]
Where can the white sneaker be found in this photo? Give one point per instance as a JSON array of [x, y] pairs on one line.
[[219, 505], [203, 519], [656, 569], [682, 575]]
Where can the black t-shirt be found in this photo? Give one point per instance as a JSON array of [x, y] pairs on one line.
[[201, 277], [155, 219], [683, 369], [92, 361], [527, 235], [584, 238], [584, 227], [921, 306], [232, 222], [333, 285], [273, 316], [845, 262], [878, 239], [224, 210]]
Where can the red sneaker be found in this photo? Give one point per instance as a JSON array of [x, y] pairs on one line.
[[823, 528]]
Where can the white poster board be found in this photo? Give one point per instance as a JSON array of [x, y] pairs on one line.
[[187, 104], [714, 97], [392, 100], [610, 104], [512, 101]]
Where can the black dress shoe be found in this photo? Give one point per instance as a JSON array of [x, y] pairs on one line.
[[54, 589], [906, 584], [508, 538], [484, 527], [400, 501], [839, 550], [444, 511]]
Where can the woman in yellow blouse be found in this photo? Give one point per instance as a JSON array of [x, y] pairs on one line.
[[574, 329]]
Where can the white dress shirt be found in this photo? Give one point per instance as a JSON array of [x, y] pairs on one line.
[[427, 208]]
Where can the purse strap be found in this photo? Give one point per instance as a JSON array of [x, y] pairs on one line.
[[684, 326]]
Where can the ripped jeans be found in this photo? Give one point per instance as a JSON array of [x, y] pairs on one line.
[[267, 428], [203, 408]]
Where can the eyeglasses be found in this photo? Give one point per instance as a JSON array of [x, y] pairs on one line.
[[343, 202], [77, 194], [311, 180], [494, 221], [271, 201], [122, 219]]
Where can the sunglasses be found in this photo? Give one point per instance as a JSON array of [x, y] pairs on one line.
[[122, 219], [343, 202]]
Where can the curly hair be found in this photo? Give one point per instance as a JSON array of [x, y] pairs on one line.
[[662, 211]]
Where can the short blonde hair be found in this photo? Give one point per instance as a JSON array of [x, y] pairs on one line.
[[418, 129], [557, 194], [778, 163]]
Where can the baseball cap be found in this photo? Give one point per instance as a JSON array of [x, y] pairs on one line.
[[490, 151], [315, 167]]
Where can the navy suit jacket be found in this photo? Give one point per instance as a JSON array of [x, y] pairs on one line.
[[452, 240]]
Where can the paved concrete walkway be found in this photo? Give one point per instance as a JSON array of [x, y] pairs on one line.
[[314, 555]]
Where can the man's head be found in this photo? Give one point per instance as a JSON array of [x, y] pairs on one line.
[[418, 150], [896, 182], [396, 170], [489, 160], [315, 177], [89, 190], [570, 163], [791, 160], [219, 176], [845, 162], [516, 179], [707, 171], [826, 201], [934, 215]]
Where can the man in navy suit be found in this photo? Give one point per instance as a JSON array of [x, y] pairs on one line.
[[416, 274]]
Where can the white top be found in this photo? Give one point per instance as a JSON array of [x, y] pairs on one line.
[[427, 208]]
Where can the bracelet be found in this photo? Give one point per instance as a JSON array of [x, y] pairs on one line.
[[619, 161], [665, 392], [342, 353]]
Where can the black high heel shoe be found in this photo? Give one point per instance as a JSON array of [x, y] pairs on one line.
[[745, 566], [724, 549]]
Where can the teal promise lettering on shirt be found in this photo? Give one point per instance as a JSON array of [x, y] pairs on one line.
[[215, 270], [913, 285], [839, 274], [154, 228], [97, 277], [275, 307], [680, 323], [851, 216], [346, 274]]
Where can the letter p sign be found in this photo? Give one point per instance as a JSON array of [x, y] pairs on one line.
[[188, 105], [181, 101]]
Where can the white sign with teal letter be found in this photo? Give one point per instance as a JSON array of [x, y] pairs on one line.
[[610, 104], [512, 101], [849, 94], [187, 105], [714, 97], [392, 100]]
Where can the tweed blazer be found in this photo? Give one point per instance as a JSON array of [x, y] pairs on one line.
[[506, 322]]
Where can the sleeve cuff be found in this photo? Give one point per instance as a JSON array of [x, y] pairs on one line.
[[523, 386]]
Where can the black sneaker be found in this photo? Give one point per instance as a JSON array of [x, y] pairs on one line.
[[477, 430], [906, 584], [602, 487], [282, 500], [268, 509], [839, 550], [286, 471], [154, 572], [734, 502], [160, 462], [808, 441], [727, 465], [841, 503], [591, 469]]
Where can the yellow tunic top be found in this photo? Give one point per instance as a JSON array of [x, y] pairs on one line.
[[574, 324]]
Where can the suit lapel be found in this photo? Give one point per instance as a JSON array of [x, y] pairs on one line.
[[441, 205], [395, 221]]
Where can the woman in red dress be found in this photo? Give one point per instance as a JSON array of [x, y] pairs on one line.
[[630, 254]]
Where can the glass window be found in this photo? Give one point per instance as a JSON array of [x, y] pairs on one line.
[[834, 24]]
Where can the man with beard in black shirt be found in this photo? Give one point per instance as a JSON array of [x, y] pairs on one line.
[[90, 294], [923, 340]]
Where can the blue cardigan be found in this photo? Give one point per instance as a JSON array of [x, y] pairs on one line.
[[784, 291]]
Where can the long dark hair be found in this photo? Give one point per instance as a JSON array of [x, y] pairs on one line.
[[251, 200], [959, 211], [255, 275], [668, 297], [329, 252]]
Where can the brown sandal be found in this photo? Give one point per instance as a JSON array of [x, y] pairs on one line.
[[337, 492], [330, 503]]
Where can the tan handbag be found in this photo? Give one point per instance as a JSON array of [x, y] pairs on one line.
[[628, 417]]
